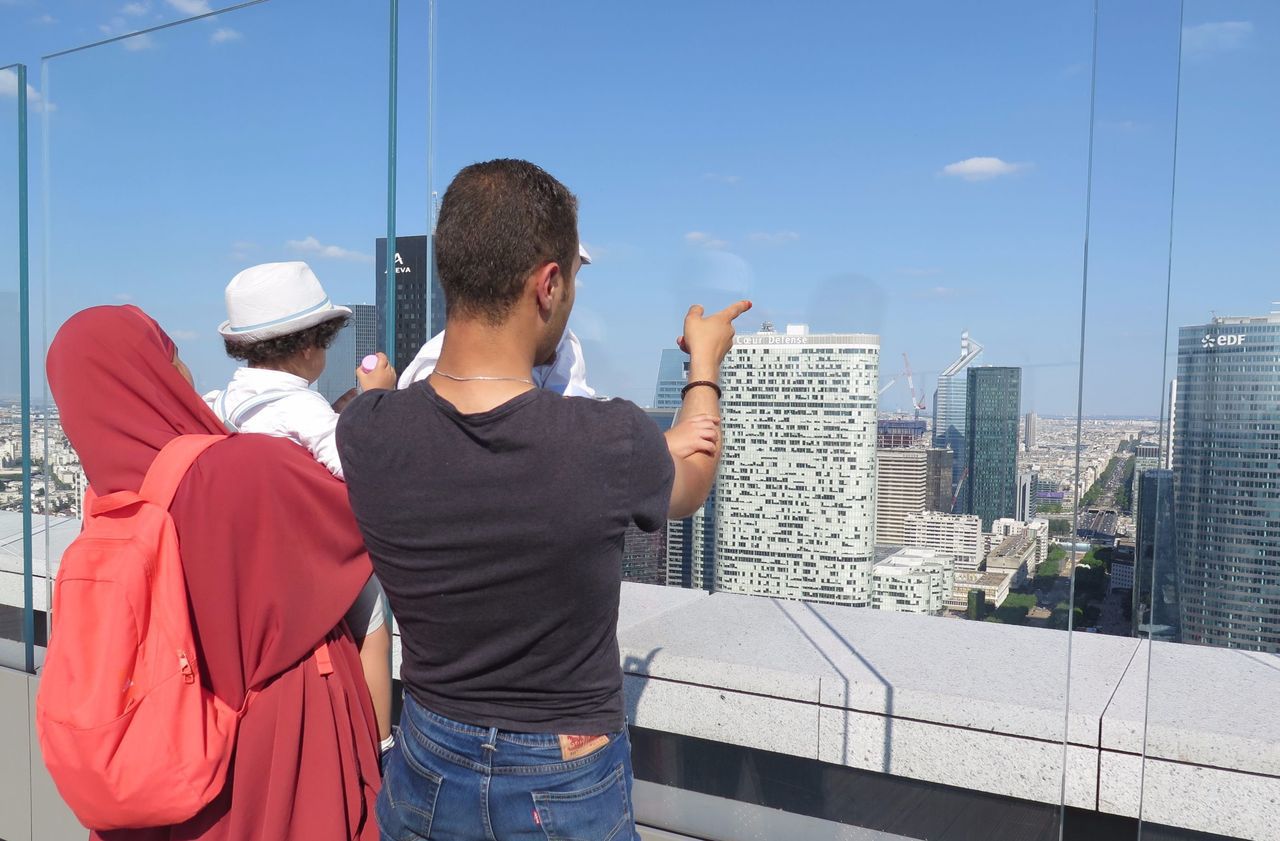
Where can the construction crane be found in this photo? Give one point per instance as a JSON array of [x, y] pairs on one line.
[[917, 398]]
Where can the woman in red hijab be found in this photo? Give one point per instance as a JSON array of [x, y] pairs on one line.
[[272, 559]]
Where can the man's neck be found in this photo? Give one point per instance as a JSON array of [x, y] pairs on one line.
[[476, 349]]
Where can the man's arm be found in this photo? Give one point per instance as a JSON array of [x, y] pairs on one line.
[[706, 340]]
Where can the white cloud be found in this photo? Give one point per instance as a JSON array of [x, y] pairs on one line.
[[191, 7], [981, 169], [135, 9], [123, 297], [313, 246], [705, 240], [1216, 37], [9, 90], [774, 237], [917, 271], [46, 19], [940, 292], [242, 251], [137, 43], [184, 335], [224, 35], [731, 180]]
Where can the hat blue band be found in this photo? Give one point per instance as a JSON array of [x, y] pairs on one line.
[[276, 321]]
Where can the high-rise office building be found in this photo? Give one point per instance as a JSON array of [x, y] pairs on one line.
[[1155, 568], [673, 373], [352, 344], [1029, 423], [419, 298], [690, 558], [796, 494], [990, 482], [1226, 470], [644, 556], [949, 407], [1146, 457], [1169, 430], [957, 535], [902, 488], [939, 493], [896, 432], [1026, 497]]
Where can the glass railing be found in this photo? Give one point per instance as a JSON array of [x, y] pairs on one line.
[[17, 619], [1011, 358]]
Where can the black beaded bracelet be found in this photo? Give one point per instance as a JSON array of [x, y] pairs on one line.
[[684, 391]]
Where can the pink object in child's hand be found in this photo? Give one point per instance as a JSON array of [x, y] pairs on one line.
[[369, 362]]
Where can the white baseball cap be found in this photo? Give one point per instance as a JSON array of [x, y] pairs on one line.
[[275, 299]]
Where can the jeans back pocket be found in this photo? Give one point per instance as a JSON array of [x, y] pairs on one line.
[[598, 813], [407, 802]]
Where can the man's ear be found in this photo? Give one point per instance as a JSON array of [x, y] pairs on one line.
[[547, 279]]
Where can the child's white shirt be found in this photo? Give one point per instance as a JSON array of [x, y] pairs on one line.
[[282, 405]]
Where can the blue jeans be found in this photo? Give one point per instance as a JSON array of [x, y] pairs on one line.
[[449, 781]]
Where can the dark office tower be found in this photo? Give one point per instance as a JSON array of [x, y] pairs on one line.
[[1146, 457], [938, 491], [414, 286], [1029, 425], [1226, 469], [352, 344], [1026, 498], [673, 373], [1155, 569], [989, 486], [644, 556], [894, 434], [949, 404]]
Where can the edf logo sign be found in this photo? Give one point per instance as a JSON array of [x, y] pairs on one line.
[[1230, 340]]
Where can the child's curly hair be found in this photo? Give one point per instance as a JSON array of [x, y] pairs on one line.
[[280, 348]]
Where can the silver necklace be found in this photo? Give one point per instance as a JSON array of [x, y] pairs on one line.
[[484, 379]]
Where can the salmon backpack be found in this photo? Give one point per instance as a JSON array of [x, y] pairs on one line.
[[129, 733]]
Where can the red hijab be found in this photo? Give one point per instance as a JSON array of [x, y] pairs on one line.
[[272, 558], [112, 375]]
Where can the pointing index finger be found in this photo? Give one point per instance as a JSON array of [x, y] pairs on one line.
[[736, 309]]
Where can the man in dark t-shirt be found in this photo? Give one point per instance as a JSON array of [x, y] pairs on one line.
[[494, 513]]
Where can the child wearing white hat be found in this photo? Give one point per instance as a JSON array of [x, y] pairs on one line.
[[281, 322]]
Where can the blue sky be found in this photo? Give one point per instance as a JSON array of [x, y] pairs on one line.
[[912, 169]]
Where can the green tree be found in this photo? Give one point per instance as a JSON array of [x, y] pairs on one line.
[[977, 600]]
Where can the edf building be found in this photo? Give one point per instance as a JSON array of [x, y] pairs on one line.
[[1227, 482]]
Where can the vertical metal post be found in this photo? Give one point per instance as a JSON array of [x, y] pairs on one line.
[[390, 268], [24, 343]]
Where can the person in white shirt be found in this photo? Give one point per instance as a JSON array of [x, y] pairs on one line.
[[566, 374], [281, 322]]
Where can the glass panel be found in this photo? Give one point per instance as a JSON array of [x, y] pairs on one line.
[[17, 619], [1208, 546], [909, 185], [179, 156]]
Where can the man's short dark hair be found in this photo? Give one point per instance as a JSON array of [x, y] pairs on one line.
[[498, 222], [271, 351]]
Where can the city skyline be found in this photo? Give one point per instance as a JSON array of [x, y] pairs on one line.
[[886, 213]]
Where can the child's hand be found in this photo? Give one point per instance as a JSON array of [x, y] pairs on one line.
[[698, 434], [383, 376]]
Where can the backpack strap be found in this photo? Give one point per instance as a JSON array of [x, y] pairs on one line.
[[171, 466]]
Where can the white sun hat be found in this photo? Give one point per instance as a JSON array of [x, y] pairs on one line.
[[275, 299]]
